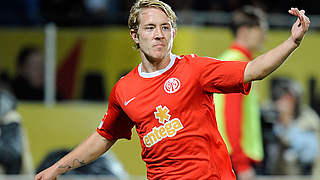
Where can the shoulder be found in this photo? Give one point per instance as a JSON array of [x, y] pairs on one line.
[[125, 81], [308, 118], [198, 64], [194, 58], [131, 75]]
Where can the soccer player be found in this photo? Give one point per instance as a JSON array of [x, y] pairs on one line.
[[238, 116], [169, 100]]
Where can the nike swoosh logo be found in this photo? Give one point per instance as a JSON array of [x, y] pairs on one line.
[[127, 102]]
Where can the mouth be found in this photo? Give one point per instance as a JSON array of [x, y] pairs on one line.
[[158, 45]]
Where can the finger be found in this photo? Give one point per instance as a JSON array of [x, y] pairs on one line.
[[300, 21], [305, 20], [300, 16], [292, 11], [296, 12]]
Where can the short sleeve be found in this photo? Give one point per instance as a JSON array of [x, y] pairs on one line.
[[115, 124], [216, 76]]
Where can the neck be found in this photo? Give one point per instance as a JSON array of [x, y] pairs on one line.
[[149, 64], [243, 43]]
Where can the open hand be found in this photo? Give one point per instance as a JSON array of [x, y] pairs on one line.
[[300, 27]]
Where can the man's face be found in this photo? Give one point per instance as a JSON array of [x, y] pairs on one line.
[[286, 107], [155, 34], [256, 38], [33, 69]]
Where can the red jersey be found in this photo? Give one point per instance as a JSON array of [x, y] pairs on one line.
[[174, 115]]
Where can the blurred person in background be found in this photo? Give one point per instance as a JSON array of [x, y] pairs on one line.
[[170, 101], [15, 157], [294, 144], [237, 115], [29, 81]]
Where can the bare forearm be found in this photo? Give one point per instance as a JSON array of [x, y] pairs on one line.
[[265, 64], [87, 151]]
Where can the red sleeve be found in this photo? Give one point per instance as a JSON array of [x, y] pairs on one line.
[[115, 124], [218, 76]]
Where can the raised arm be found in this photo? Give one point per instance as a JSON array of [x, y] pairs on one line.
[[90, 149], [265, 64]]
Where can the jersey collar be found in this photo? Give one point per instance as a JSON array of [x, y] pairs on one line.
[[159, 72], [242, 49]]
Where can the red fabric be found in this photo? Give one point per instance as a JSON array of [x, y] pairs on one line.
[[233, 114], [184, 142], [67, 71]]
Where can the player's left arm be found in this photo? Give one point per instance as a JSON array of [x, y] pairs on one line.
[[265, 64]]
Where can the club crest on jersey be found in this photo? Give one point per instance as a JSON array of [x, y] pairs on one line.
[[172, 85], [169, 128]]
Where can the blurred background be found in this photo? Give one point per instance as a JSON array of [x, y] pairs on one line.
[[59, 60]]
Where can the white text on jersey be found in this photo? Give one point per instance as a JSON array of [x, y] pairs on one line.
[[168, 129]]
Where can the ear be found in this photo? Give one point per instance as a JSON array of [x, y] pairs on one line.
[[134, 35], [174, 32]]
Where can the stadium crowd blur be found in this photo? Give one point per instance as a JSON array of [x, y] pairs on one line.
[[290, 130], [280, 139], [106, 12]]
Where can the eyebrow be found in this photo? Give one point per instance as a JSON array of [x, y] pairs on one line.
[[165, 24], [151, 24]]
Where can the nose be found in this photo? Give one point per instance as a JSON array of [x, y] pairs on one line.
[[158, 33]]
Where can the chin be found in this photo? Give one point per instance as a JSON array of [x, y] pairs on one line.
[[159, 55], [156, 54]]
